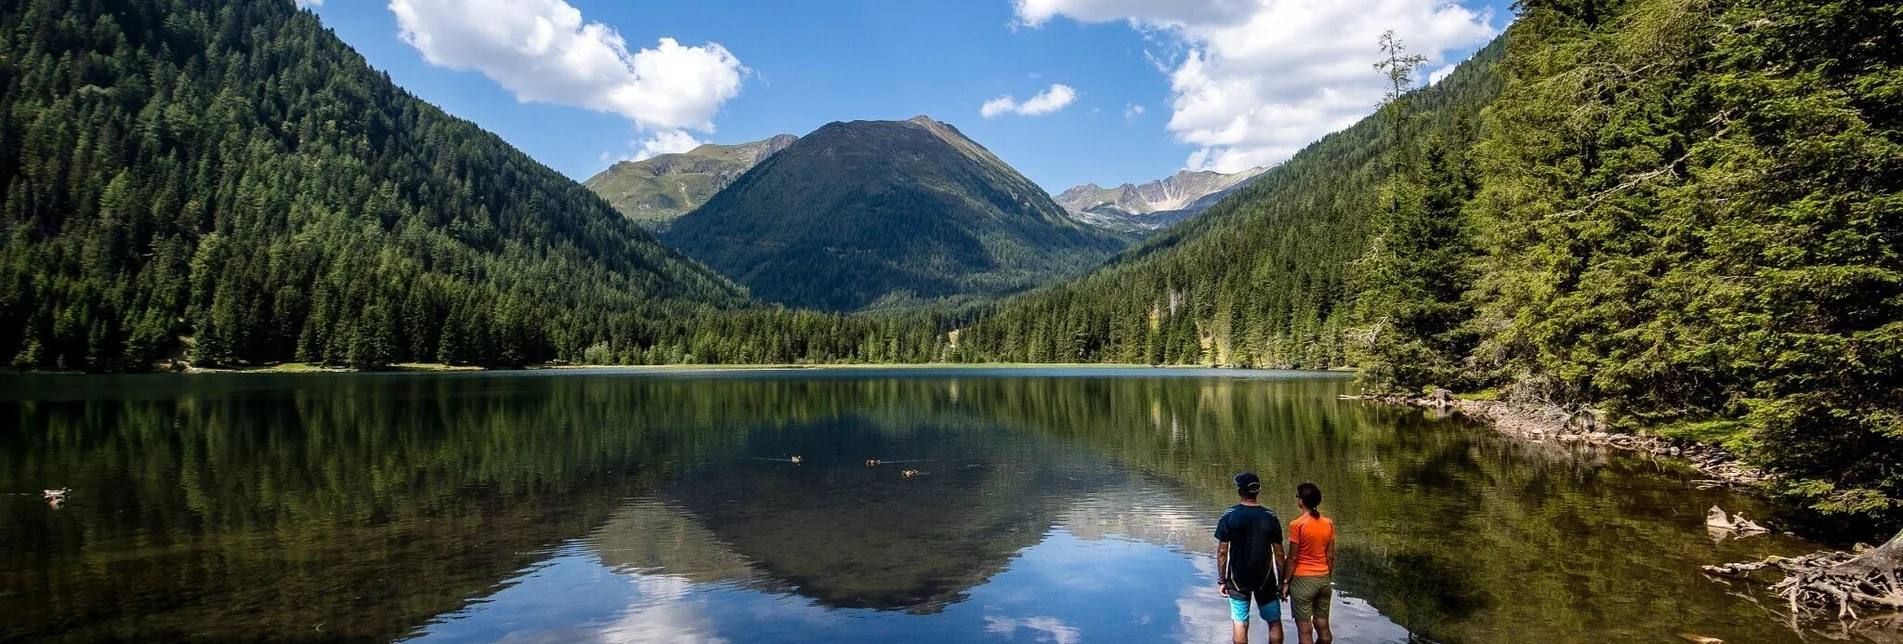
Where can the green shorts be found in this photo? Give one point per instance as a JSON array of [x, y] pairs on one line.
[[1310, 597]]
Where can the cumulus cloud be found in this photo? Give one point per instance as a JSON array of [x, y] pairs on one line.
[[666, 142], [998, 106], [1056, 98], [1438, 74], [543, 51], [1254, 81], [306, 4]]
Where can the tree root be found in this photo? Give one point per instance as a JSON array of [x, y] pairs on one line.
[[1832, 582]]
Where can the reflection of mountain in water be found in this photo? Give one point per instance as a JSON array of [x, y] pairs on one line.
[[650, 536], [853, 536], [255, 507]]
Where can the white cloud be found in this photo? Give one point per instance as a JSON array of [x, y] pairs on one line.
[[1438, 74], [306, 4], [666, 142], [1132, 111], [1048, 629], [997, 106], [1051, 100], [1258, 80], [543, 51], [1048, 101]]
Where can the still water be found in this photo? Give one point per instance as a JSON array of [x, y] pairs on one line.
[[1045, 505]]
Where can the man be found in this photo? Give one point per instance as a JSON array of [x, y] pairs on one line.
[[1247, 536]]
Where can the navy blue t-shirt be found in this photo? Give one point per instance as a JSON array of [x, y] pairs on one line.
[[1251, 531]]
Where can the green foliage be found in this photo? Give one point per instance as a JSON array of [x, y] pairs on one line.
[[228, 183], [1692, 214], [1678, 212], [1266, 278]]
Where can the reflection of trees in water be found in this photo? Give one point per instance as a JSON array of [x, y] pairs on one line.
[[1453, 531], [339, 507], [365, 505]]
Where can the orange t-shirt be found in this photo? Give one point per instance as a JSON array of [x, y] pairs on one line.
[[1311, 537]]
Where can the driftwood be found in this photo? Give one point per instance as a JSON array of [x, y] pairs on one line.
[[1833, 582], [1716, 519]]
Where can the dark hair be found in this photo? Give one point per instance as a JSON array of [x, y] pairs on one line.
[[1311, 497]]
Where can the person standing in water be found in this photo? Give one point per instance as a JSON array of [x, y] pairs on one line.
[[1248, 556], [1311, 582]]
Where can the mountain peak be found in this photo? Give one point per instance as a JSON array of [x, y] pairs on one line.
[[656, 190], [1153, 205], [872, 213]]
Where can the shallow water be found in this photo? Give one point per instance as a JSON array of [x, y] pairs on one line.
[[1056, 505]]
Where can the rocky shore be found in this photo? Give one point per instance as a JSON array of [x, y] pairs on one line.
[[1541, 424], [1828, 583]]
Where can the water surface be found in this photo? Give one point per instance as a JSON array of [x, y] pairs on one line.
[[1056, 505]]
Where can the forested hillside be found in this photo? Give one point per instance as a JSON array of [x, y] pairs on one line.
[[1672, 214], [1261, 279], [228, 182], [887, 214]]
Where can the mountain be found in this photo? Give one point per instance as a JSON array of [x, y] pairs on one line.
[[1704, 245], [227, 183], [1263, 278], [1153, 205], [881, 213], [655, 191]]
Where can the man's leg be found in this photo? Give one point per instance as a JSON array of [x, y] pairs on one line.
[[1239, 621], [1304, 633], [1322, 634], [1272, 613]]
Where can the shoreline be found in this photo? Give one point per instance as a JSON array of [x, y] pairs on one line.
[[1539, 425], [420, 367]]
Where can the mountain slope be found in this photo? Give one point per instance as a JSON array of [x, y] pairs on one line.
[[1678, 217], [231, 179], [1263, 278], [884, 212], [1153, 205], [654, 192]]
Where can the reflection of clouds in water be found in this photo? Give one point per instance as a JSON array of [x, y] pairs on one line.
[[1204, 614], [661, 612], [1050, 629], [1152, 516], [661, 587]]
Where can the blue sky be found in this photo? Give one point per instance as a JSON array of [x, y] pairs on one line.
[[1222, 84]]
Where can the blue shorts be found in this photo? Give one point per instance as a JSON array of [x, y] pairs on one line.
[[1271, 611]]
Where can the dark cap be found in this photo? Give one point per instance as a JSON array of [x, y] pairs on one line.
[[1248, 482]]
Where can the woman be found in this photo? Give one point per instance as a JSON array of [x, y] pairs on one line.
[[1310, 586]]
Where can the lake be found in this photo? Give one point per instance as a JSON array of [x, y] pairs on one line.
[[1042, 505]]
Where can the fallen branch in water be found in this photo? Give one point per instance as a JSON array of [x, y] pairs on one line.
[[1833, 581]]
